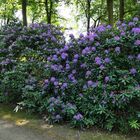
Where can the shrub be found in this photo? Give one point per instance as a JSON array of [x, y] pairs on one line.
[[89, 81], [99, 74], [24, 50]]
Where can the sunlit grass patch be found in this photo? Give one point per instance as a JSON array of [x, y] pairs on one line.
[[19, 118]]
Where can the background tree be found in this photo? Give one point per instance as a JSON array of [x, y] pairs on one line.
[[24, 12], [8, 9], [90, 13], [110, 11], [121, 9]]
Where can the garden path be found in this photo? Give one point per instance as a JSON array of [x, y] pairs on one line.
[[11, 131]]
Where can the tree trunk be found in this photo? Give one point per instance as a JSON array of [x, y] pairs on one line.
[[88, 14], [49, 8], [24, 12], [110, 12], [121, 9]]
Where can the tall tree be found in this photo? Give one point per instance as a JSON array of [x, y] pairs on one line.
[[24, 12], [88, 14], [85, 9], [110, 12], [121, 9], [49, 10]]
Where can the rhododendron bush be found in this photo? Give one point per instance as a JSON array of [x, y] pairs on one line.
[[92, 80]]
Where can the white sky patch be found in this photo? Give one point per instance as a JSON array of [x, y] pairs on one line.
[[69, 13], [18, 14]]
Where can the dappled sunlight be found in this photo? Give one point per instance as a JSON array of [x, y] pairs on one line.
[[7, 116], [46, 126], [21, 122]]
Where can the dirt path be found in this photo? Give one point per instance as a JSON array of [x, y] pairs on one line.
[[9, 131]]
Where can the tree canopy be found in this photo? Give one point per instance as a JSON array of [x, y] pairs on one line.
[[90, 12]]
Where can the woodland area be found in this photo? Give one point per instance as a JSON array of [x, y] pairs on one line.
[[93, 12]]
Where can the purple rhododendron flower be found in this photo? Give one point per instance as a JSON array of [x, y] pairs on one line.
[[93, 48], [54, 67], [102, 67], [98, 61], [137, 42], [81, 95], [81, 36], [106, 51], [73, 71], [118, 23], [46, 81], [101, 28], [49, 58], [117, 38], [138, 57], [97, 44], [87, 49], [78, 117], [52, 79], [58, 117], [107, 79], [84, 52], [107, 60], [64, 85], [123, 25], [88, 73], [75, 60], [90, 83], [67, 66], [91, 37], [66, 48], [135, 19], [64, 55], [71, 36], [133, 71], [122, 33], [76, 56], [108, 26], [131, 24], [136, 30], [83, 65], [56, 83], [117, 50], [74, 81]]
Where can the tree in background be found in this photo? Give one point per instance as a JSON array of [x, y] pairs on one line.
[[92, 13], [49, 10], [8, 8], [121, 9], [110, 11], [24, 12]]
